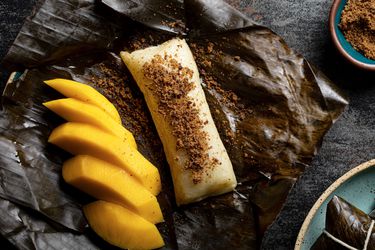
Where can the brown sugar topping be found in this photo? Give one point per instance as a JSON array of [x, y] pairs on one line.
[[358, 25], [115, 85], [177, 24], [205, 56], [171, 83], [120, 95]]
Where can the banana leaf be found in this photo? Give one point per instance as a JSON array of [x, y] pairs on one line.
[[279, 110], [372, 214], [348, 224]]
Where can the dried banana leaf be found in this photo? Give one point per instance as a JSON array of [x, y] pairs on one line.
[[162, 15], [56, 29], [271, 107], [372, 214], [27, 230], [347, 223]]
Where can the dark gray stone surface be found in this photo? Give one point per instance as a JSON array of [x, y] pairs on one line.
[[304, 25]]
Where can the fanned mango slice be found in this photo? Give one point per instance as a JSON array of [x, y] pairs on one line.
[[84, 93], [107, 182], [121, 227], [84, 139], [74, 110]]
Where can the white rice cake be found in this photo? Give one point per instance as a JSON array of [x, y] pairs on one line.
[[218, 176]]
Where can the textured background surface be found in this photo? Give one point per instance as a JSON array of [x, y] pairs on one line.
[[303, 24]]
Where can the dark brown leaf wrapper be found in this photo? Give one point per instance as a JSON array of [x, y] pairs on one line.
[[347, 223], [272, 123], [372, 214]]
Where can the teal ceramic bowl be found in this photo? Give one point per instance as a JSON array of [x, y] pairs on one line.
[[356, 186], [343, 46]]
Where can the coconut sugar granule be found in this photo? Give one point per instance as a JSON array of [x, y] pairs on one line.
[[358, 25]]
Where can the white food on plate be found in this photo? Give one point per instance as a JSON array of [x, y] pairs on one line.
[[218, 177]]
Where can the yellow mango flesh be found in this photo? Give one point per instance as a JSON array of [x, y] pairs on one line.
[[84, 93], [74, 110], [105, 181], [121, 227], [84, 139]]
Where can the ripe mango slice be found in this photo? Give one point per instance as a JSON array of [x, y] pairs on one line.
[[105, 181], [121, 227], [84, 93], [84, 139], [74, 110]]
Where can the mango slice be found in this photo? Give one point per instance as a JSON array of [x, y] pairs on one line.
[[84, 139], [121, 227], [84, 93], [107, 182], [74, 110]]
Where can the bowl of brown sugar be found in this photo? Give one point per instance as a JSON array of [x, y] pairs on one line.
[[352, 27]]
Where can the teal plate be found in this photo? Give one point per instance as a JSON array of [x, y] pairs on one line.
[[356, 186]]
